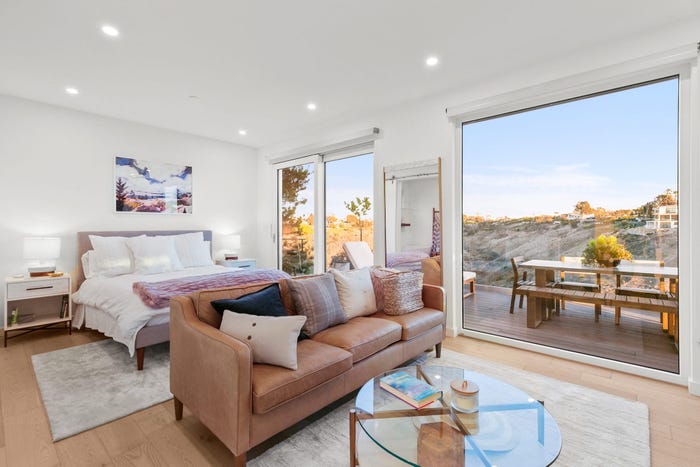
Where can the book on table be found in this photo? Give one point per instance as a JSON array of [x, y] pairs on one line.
[[410, 389]]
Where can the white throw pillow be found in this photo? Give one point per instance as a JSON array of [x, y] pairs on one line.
[[153, 255], [355, 292], [86, 260], [192, 250], [112, 257], [273, 339]]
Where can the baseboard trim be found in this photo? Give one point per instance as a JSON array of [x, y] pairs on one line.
[[451, 332], [694, 387]]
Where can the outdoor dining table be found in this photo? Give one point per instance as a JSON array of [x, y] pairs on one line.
[[544, 271]]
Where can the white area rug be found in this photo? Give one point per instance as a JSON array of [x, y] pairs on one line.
[[92, 384]]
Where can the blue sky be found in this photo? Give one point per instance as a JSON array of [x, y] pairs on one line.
[[346, 179], [616, 151]]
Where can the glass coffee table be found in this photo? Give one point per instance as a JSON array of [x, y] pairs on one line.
[[510, 428]]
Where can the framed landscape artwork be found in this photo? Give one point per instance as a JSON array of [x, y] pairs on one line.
[[155, 187]]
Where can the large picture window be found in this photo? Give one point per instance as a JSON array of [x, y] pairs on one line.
[[548, 194]]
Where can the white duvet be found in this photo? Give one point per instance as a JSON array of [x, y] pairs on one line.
[[115, 296]]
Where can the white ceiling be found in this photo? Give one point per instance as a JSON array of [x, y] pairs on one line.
[[255, 64]]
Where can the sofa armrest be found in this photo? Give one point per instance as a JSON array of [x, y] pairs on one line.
[[210, 373], [434, 297]]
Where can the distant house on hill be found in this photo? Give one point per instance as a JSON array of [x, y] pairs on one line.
[[572, 216], [665, 217], [588, 218]]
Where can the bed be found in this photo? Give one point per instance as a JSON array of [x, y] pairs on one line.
[[111, 306]]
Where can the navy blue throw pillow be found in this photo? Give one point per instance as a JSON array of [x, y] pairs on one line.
[[264, 302]]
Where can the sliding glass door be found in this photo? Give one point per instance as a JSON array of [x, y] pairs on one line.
[[544, 190], [324, 201]]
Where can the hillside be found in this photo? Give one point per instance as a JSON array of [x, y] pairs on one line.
[[488, 246]]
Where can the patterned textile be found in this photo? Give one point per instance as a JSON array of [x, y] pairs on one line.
[[435, 247], [377, 275], [157, 294], [403, 292], [317, 299]]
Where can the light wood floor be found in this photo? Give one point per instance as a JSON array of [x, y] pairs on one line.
[[152, 437]]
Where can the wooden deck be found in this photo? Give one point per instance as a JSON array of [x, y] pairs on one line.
[[638, 339]]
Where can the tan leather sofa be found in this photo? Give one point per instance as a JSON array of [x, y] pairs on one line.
[[244, 404]]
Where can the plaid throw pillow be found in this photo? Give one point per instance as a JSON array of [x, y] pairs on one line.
[[317, 299], [403, 292]]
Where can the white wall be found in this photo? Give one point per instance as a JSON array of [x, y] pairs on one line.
[[418, 199], [57, 179], [419, 130]]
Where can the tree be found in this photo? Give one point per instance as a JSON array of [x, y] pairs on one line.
[[121, 193], [583, 207], [294, 180], [359, 207]]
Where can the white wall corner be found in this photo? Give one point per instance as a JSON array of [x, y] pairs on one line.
[[452, 332]]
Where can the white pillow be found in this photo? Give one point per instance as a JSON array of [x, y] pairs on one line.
[[111, 257], [88, 256], [273, 339], [153, 255], [192, 250], [355, 292]]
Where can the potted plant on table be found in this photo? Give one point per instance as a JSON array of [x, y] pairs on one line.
[[605, 251]]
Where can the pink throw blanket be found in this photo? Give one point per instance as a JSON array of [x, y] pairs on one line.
[[157, 294], [404, 257]]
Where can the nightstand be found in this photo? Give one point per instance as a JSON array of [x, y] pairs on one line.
[[237, 263], [36, 303]]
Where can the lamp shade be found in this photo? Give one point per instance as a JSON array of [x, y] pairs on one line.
[[231, 242], [42, 248]]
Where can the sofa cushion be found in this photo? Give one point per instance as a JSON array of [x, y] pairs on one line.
[[355, 292], [273, 339], [361, 336], [264, 302], [403, 292], [317, 299], [416, 323], [316, 364]]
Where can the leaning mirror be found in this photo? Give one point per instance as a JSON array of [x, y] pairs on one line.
[[412, 205]]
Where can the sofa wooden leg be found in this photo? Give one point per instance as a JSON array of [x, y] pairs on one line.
[[139, 357], [239, 460], [438, 350], [178, 408]]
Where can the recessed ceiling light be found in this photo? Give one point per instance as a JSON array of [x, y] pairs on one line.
[[311, 106], [72, 91], [193, 97], [432, 61], [242, 132], [110, 31]]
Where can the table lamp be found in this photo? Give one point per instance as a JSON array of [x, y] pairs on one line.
[[230, 245], [42, 252]]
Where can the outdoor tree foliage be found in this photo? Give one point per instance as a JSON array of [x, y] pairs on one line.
[[294, 180], [583, 207], [359, 207]]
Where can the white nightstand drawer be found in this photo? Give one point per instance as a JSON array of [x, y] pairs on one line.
[[38, 288], [238, 263]]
